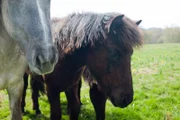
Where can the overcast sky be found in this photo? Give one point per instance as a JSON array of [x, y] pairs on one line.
[[154, 13]]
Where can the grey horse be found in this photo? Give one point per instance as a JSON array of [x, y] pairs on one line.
[[25, 40]]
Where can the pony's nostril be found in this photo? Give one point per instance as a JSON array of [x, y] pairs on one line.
[[39, 61]]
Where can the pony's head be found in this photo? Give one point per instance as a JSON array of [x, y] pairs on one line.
[[110, 60], [28, 23], [107, 42]]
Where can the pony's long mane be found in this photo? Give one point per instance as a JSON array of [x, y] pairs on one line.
[[82, 29]]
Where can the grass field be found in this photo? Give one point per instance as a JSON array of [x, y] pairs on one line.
[[156, 78]]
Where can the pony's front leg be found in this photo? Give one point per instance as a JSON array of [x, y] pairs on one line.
[[35, 95], [79, 91], [98, 98], [54, 100], [73, 102], [15, 93], [23, 102]]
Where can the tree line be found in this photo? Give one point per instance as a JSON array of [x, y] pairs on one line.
[[161, 35]]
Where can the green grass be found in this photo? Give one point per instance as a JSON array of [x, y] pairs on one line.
[[156, 77]]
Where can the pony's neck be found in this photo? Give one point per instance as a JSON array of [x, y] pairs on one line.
[[74, 61], [7, 44], [9, 49]]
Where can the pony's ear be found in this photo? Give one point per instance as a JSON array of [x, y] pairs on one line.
[[115, 23], [138, 22]]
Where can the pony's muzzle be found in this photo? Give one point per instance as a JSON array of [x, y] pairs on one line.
[[122, 101], [46, 60]]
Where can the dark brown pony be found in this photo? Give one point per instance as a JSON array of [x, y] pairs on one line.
[[102, 42], [37, 87]]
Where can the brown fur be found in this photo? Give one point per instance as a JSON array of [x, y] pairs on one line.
[[103, 43], [79, 30]]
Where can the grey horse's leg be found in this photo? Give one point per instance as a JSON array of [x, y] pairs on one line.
[[15, 94]]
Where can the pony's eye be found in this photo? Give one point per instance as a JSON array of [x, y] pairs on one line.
[[114, 55]]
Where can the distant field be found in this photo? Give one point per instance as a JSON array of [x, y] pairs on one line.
[[156, 77]]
